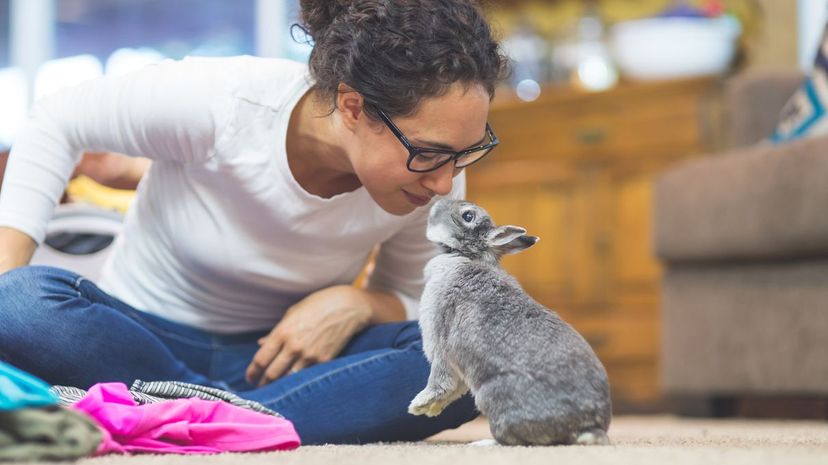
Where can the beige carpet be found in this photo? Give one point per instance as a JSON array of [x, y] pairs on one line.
[[642, 440]]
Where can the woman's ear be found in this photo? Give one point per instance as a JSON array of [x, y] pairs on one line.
[[350, 103]]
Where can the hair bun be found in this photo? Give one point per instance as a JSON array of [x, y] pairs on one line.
[[317, 15], [397, 53]]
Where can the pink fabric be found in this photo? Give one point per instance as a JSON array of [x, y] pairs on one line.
[[186, 426]]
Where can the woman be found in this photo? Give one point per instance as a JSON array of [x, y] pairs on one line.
[[271, 182]]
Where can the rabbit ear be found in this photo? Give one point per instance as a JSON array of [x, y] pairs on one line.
[[506, 240], [504, 234]]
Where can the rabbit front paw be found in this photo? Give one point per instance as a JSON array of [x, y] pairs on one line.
[[427, 403]]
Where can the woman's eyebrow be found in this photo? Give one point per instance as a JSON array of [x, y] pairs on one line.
[[439, 145]]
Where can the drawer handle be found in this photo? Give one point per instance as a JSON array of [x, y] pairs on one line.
[[591, 136]]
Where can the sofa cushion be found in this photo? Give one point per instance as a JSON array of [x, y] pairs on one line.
[[746, 328], [756, 203]]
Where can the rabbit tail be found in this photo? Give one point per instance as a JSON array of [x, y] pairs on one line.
[[593, 437]]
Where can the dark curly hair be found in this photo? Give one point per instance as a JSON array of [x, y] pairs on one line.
[[398, 52]]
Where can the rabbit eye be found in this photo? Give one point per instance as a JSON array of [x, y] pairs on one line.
[[468, 216]]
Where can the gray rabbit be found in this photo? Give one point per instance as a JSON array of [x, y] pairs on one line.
[[537, 380]]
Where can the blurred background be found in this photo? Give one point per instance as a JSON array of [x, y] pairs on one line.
[[605, 97]]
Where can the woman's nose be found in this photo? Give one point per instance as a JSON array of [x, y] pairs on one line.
[[439, 181]]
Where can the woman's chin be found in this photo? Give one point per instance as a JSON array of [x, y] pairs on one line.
[[401, 210], [396, 205]]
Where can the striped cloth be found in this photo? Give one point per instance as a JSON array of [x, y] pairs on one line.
[[151, 392]]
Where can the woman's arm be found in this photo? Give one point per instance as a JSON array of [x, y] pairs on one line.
[[318, 327], [112, 170], [171, 111], [18, 245], [385, 307]]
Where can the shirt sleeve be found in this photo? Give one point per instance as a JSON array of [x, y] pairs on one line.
[[168, 111], [399, 264]]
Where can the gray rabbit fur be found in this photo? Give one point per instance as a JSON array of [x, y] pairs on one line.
[[535, 377]]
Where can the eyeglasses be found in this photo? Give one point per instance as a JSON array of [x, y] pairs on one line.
[[423, 160]]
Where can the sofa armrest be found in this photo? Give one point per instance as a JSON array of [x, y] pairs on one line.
[[756, 203]]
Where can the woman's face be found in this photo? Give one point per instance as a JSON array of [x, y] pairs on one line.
[[456, 120]]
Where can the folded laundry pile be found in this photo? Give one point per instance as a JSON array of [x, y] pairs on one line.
[[63, 422], [34, 427]]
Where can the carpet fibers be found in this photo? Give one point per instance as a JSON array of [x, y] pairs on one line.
[[637, 440]]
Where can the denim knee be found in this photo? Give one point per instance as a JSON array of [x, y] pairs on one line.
[[26, 294], [32, 284], [23, 287], [408, 334]]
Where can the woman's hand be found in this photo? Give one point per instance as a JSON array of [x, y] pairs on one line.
[[314, 330]]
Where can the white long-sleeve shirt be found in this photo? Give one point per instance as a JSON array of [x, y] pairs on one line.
[[221, 236]]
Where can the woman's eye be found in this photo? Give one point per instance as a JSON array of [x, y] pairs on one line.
[[468, 217]]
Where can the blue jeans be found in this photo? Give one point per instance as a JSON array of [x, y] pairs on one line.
[[62, 328]]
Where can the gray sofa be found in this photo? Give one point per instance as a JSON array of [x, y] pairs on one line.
[[743, 237]]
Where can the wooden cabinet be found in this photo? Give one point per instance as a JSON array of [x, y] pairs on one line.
[[577, 169]]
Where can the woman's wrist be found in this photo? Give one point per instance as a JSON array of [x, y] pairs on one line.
[[16, 249], [385, 307]]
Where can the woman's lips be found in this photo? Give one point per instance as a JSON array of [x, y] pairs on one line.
[[416, 199]]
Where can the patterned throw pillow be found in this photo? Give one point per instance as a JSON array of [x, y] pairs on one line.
[[804, 114]]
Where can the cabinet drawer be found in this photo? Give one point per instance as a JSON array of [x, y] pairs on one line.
[[634, 385], [617, 338], [556, 135], [635, 122]]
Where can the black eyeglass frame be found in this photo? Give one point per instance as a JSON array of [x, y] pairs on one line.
[[413, 150]]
